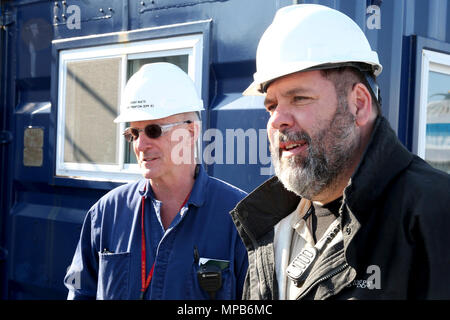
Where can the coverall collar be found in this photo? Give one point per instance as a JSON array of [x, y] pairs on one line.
[[198, 193]]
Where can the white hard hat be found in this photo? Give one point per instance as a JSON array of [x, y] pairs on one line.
[[156, 91], [309, 36]]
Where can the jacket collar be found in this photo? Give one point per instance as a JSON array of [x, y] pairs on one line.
[[268, 204], [198, 193], [383, 159]]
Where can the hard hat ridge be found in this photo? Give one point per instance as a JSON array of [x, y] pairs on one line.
[[156, 91], [308, 36]]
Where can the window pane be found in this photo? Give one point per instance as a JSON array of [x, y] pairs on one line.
[[92, 98], [134, 66], [437, 150], [180, 61]]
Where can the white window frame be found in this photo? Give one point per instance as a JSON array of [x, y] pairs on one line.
[[431, 61], [191, 45]]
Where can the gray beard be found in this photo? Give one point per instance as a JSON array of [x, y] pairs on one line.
[[328, 155]]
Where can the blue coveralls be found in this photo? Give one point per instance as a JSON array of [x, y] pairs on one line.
[[107, 260]]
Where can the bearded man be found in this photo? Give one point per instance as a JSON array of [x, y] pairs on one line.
[[351, 214]]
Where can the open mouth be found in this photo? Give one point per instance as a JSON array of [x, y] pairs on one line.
[[149, 159], [291, 148]]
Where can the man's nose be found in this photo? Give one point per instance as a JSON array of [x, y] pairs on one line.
[[282, 118], [143, 142]]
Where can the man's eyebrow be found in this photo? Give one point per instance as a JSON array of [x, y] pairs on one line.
[[291, 92], [268, 101], [296, 91]]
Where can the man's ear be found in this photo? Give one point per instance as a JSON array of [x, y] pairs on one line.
[[360, 102], [194, 130]]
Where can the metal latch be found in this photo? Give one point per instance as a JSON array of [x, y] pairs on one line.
[[5, 137], [6, 19]]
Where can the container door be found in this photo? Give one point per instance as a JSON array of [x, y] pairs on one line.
[[6, 138]]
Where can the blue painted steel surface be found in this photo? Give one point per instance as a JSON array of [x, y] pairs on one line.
[[41, 215]]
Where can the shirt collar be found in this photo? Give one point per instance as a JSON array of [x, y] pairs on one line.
[[144, 187]]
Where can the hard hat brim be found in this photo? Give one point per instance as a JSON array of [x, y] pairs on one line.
[[139, 115], [255, 88]]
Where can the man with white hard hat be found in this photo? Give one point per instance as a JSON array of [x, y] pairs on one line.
[[350, 214], [169, 235]]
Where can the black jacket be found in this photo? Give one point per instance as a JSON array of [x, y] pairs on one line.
[[395, 224]]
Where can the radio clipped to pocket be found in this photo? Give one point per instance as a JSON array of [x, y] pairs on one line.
[[209, 274]]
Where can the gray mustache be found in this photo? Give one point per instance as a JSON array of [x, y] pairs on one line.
[[293, 136]]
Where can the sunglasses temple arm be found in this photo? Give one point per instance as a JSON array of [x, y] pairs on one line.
[[129, 147]]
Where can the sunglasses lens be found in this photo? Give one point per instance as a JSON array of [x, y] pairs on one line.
[[153, 131]]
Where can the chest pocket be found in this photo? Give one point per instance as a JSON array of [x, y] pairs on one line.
[[113, 276], [196, 292]]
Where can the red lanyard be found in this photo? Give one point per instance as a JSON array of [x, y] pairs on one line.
[[146, 281]]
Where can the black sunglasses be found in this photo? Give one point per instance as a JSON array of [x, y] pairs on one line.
[[152, 130]]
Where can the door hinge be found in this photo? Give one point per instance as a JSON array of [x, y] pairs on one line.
[[3, 254]]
